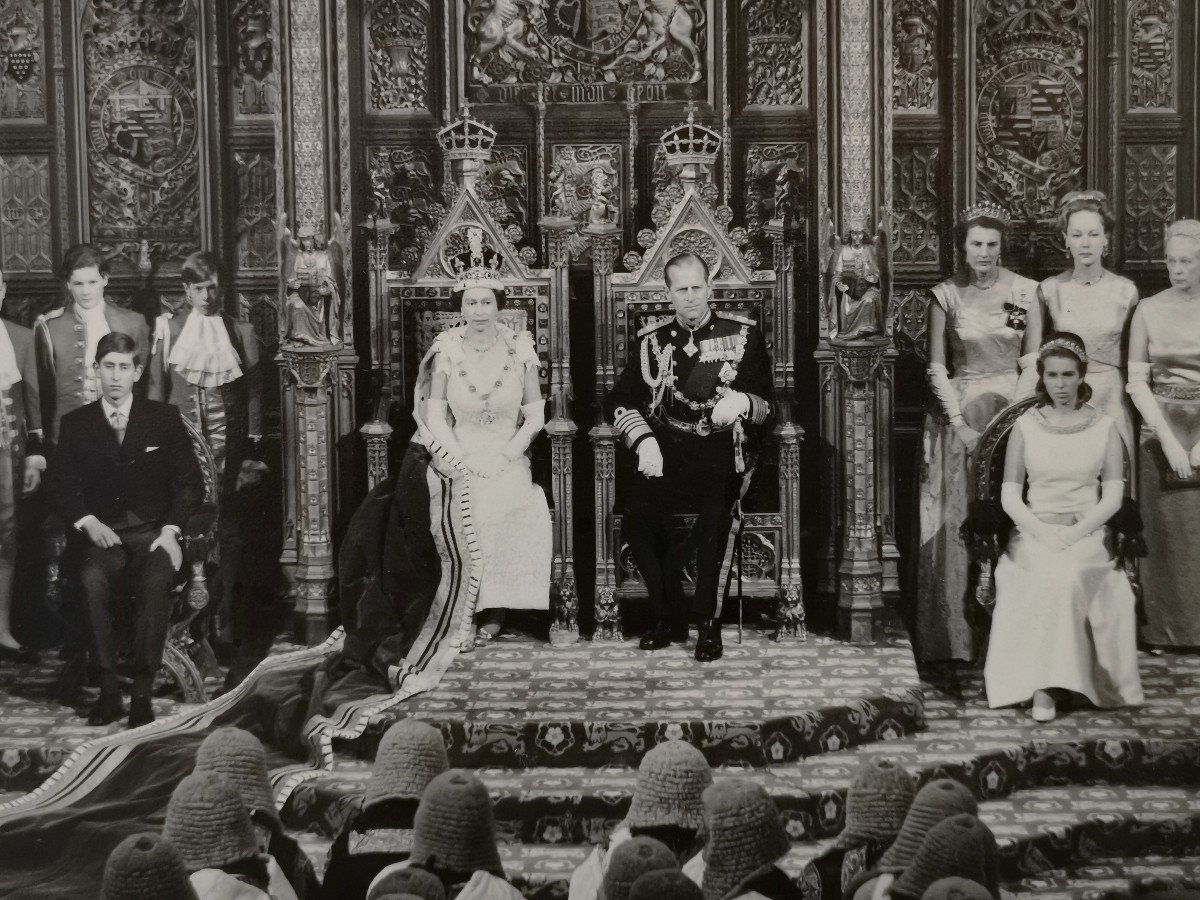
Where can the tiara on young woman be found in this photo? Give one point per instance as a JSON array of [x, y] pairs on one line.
[[1061, 343], [1095, 196], [986, 210]]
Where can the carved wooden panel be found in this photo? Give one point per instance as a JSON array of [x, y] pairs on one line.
[[397, 43], [1031, 113], [917, 238], [403, 191], [1152, 54], [910, 325], [142, 124], [585, 52], [857, 123], [776, 186], [256, 77], [25, 239], [776, 49], [504, 187], [22, 61], [585, 182], [914, 56], [1151, 186], [255, 172]]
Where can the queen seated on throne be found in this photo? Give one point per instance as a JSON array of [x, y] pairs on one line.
[[462, 533]]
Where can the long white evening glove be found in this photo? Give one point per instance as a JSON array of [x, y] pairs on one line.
[[440, 428], [535, 420], [1028, 379]]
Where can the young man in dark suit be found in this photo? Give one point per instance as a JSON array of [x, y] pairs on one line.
[[125, 476]]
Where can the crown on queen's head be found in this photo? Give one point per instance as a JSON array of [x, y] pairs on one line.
[[467, 138], [690, 143], [986, 210], [477, 267]]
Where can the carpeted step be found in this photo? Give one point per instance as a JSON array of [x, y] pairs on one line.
[[521, 703], [1110, 879], [549, 805], [1049, 828]]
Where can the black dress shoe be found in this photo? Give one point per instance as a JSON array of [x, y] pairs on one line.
[[106, 710], [140, 712], [663, 635], [708, 641], [26, 656]]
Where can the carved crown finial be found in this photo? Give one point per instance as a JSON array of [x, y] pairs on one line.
[[467, 138], [690, 142]]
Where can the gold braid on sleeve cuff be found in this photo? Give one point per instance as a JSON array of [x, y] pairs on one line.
[[759, 409], [632, 426]]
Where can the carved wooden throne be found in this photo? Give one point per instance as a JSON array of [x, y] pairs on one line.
[[625, 303], [419, 307]]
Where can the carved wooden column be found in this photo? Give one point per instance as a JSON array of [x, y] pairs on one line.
[[564, 626], [790, 618], [860, 570], [858, 546], [605, 242], [310, 401], [376, 435], [312, 132]]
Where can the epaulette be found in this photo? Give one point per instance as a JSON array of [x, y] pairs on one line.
[[734, 317], [653, 326], [53, 314]]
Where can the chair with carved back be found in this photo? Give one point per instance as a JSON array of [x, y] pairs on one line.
[[987, 527], [769, 559], [420, 306], [186, 658]]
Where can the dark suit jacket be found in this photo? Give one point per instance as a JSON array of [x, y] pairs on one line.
[[26, 410], [151, 478]]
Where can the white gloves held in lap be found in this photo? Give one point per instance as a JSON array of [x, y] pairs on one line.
[[730, 408]]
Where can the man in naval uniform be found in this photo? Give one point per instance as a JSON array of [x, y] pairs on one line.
[[691, 402], [65, 338]]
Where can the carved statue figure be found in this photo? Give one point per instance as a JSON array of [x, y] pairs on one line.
[[788, 198], [679, 20], [312, 272], [560, 201], [854, 284], [498, 25], [602, 210]]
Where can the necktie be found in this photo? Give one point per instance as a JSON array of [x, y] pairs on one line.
[[118, 424]]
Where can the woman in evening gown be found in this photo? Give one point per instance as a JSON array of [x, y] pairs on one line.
[[1094, 303], [484, 407], [1164, 382], [1065, 616], [984, 329]]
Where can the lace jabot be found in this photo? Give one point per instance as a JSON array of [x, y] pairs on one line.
[[203, 354]]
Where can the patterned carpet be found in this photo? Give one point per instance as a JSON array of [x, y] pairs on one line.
[[1082, 807]]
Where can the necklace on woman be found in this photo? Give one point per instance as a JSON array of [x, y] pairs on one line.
[[1087, 281], [982, 286], [487, 416]]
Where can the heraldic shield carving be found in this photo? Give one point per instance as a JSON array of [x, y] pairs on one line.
[[585, 51], [143, 127], [1031, 111]]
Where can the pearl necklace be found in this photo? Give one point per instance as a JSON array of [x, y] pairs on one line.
[[1087, 282]]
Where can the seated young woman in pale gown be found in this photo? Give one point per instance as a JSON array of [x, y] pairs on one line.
[[1065, 614]]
